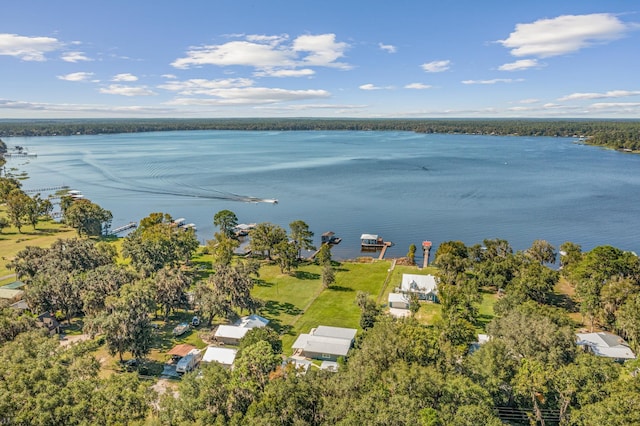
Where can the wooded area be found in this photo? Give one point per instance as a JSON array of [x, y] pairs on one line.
[[616, 134]]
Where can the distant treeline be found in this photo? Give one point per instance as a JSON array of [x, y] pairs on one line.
[[617, 134]]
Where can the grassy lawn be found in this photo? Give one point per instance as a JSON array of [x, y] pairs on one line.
[[11, 241], [298, 302]]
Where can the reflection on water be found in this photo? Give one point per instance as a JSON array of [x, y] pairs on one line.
[[403, 186]]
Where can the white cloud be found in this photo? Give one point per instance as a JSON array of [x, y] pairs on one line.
[[169, 76], [564, 34], [493, 81], [75, 57], [251, 95], [27, 48], [417, 86], [123, 90], [269, 53], [520, 65], [199, 86], [529, 101], [436, 66], [304, 72], [387, 47], [76, 76], [622, 105], [323, 50], [609, 94], [124, 77], [370, 86]]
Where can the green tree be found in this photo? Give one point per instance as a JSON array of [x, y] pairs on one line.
[[628, 321], [226, 221], [542, 251], [570, 255], [222, 248], [87, 218], [324, 255], [258, 334], [169, 287], [302, 237], [265, 236], [158, 243], [286, 256], [411, 255], [18, 207], [328, 275], [4, 223], [7, 185]]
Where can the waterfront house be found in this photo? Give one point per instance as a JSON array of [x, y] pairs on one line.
[[425, 286]]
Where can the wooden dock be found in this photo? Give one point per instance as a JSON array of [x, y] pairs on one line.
[[426, 250], [386, 245]]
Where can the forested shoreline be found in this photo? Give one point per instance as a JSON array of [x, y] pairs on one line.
[[614, 134]]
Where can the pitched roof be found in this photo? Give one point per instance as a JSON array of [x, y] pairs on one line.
[[322, 345], [252, 321], [326, 340], [9, 293], [368, 237], [606, 344], [231, 331], [336, 332], [181, 350], [422, 283], [398, 298], [224, 356]]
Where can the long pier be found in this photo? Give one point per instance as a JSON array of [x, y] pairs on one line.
[[123, 228], [48, 189]]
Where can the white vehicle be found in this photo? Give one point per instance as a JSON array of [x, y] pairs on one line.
[[188, 362]]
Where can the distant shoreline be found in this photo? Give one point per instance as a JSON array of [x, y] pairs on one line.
[[622, 135]]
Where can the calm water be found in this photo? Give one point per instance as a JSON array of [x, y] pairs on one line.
[[403, 186]]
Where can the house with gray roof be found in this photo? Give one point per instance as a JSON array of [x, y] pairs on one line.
[[606, 345], [425, 286], [325, 343]]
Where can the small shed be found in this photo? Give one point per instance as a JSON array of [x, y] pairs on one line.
[[398, 301]]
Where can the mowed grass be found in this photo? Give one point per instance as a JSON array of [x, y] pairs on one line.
[[298, 302], [12, 241]]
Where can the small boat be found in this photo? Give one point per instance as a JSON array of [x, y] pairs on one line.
[[270, 200]]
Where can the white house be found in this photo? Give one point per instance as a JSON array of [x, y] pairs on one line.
[[224, 356], [231, 334], [605, 344], [252, 321], [324, 342], [424, 285]]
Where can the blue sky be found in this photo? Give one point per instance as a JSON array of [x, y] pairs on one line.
[[302, 58]]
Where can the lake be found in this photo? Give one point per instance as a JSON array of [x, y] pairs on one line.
[[403, 186]]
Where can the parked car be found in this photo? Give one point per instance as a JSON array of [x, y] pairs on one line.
[[195, 321]]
